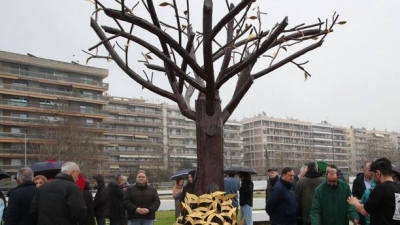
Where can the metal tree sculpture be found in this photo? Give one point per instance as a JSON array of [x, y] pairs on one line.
[[245, 45]]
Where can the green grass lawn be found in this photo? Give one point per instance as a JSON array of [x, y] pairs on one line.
[[165, 217]]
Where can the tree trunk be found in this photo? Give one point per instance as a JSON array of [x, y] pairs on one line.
[[209, 135]]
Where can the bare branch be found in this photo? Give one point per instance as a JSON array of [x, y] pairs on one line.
[[161, 34], [253, 57], [229, 16], [127, 70], [159, 54], [286, 60]]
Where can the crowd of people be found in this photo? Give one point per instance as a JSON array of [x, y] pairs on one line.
[[311, 199], [60, 201], [304, 199]]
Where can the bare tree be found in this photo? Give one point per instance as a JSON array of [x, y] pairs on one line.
[[203, 61], [64, 138]]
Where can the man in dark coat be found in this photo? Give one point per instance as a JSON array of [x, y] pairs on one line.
[[115, 196], [60, 201], [362, 182], [281, 205], [271, 181], [141, 201], [305, 192], [19, 199], [101, 202]]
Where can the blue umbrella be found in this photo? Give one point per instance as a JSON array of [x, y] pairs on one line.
[[48, 169], [181, 173]]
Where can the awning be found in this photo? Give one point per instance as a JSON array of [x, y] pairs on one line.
[[114, 166], [379, 135], [141, 136]]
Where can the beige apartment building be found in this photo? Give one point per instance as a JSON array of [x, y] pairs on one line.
[[273, 142], [36, 94]]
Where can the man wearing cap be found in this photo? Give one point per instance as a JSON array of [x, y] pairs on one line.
[[271, 181]]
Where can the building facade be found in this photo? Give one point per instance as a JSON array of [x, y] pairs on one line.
[[36, 96], [274, 142]]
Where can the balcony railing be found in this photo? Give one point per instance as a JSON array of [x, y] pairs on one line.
[[61, 94], [30, 74], [55, 107]]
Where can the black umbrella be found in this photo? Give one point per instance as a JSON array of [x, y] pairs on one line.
[[48, 169], [3, 174], [238, 169], [181, 173]]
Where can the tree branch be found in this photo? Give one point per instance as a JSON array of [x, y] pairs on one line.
[[159, 33], [253, 57], [127, 70], [167, 61], [207, 56], [287, 60], [229, 16]]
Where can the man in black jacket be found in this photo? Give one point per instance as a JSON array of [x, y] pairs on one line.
[[100, 203], [19, 199], [141, 201], [60, 201], [362, 182]]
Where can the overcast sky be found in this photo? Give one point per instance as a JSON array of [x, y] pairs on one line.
[[355, 74]]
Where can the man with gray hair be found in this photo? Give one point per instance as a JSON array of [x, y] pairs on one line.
[[19, 199], [60, 201]]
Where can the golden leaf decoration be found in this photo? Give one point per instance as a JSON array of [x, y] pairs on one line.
[[342, 22], [163, 4], [253, 17]]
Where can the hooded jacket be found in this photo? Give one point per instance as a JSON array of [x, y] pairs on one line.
[[101, 201]]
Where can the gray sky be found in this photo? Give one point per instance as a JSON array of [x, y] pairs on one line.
[[354, 74]]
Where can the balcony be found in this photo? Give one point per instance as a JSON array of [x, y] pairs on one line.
[[43, 77], [48, 109], [51, 94]]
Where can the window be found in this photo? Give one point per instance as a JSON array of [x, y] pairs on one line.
[[86, 109], [19, 101], [18, 69], [47, 104], [16, 162]]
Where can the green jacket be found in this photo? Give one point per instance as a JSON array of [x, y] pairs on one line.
[[330, 206]]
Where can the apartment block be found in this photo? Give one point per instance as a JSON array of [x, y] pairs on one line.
[[274, 142], [37, 92], [134, 135], [330, 145]]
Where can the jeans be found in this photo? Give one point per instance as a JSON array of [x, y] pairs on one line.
[[246, 212], [141, 222], [101, 220]]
